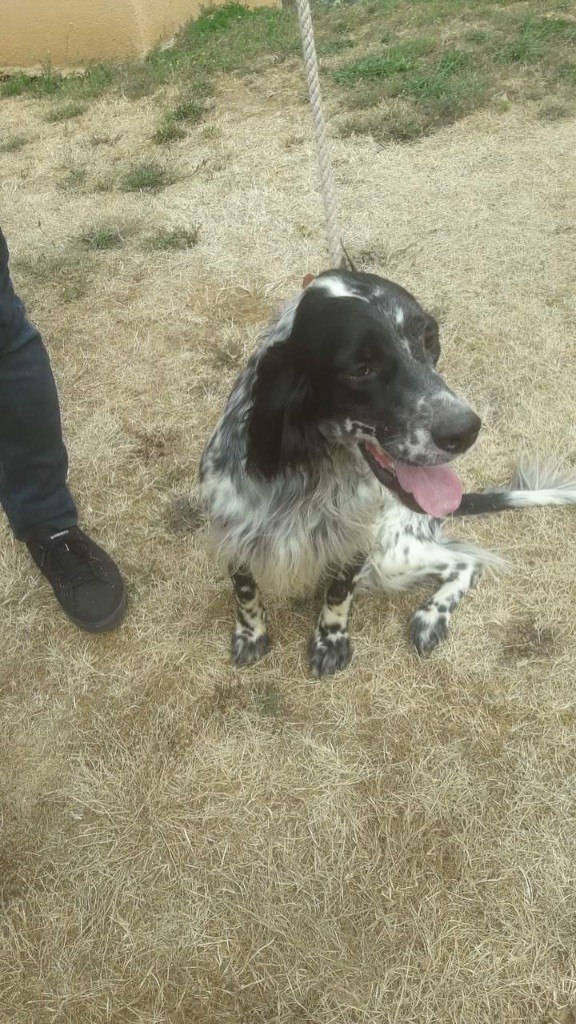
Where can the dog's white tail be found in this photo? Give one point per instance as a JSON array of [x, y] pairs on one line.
[[535, 482]]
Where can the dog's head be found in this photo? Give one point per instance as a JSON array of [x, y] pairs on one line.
[[359, 368]]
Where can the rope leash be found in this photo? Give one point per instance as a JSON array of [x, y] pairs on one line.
[[335, 248]]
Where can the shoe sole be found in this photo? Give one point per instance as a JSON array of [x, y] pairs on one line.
[[105, 625]]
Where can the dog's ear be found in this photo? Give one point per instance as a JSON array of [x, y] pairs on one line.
[[282, 431]]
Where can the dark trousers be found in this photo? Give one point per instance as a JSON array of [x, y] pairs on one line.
[[33, 459]]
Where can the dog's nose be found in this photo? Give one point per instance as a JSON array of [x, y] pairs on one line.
[[456, 434]]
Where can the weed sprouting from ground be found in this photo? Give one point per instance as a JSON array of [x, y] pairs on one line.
[[147, 176], [168, 131], [102, 237], [189, 110]]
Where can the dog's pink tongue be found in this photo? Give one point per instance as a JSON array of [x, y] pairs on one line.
[[437, 489]]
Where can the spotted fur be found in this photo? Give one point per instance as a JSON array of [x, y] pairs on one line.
[[250, 637]]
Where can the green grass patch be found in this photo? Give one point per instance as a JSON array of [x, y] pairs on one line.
[[140, 79], [394, 61], [13, 143], [66, 112], [189, 111], [438, 88], [95, 81], [535, 37], [102, 237], [168, 131], [174, 239], [233, 38], [148, 176], [46, 84], [448, 67]]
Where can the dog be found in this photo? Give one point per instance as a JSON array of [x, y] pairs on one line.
[[330, 463]]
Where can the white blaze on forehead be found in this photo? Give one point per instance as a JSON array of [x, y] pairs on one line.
[[336, 288], [399, 316]]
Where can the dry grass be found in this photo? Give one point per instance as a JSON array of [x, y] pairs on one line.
[[182, 844]]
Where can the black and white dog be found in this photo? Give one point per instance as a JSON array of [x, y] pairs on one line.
[[330, 462]]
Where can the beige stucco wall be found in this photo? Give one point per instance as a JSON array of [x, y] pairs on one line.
[[73, 32]]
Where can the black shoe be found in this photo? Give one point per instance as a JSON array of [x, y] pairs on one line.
[[83, 577]]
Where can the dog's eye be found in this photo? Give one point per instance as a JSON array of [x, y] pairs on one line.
[[429, 339], [363, 370]]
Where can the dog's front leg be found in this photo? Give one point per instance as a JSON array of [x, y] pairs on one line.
[[250, 640], [429, 624], [330, 648]]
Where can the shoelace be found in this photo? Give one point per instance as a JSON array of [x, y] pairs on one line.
[[71, 560]]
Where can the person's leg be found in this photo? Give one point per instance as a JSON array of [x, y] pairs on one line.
[[33, 460], [33, 471]]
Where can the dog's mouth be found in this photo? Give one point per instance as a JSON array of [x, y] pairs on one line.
[[431, 490]]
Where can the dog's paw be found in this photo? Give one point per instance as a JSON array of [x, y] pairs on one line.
[[428, 627], [247, 649], [329, 654]]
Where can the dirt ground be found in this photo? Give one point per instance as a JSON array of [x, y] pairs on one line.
[[185, 844]]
